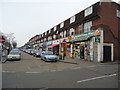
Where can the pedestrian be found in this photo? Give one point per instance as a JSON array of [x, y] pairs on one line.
[[64, 55]]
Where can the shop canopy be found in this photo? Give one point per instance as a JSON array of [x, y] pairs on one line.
[[51, 46], [85, 36]]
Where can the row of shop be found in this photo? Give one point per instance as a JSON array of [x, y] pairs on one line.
[[87, 46]]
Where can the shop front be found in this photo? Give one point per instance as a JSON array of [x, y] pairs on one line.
[[85, 45], [64, 49], [44, 45], [54, 47]]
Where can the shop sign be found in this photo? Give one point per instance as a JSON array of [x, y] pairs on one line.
[[56, 41], [62, 40], [49, 43], [2, 40], [85, 36], [71, 37], [67, 40]]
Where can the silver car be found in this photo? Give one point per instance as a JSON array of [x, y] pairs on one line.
[[14, 55], [49, 56]]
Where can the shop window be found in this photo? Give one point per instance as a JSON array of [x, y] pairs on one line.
[[87, 26], [62, 25], [118, 13], [88, 11], [72, 19]]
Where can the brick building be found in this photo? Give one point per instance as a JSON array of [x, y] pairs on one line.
[[92, 34]]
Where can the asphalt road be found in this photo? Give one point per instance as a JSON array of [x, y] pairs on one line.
[[32, 72]]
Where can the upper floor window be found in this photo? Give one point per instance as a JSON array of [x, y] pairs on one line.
[[88, 11], [65, 33], [57, 32], [62, 25], [49, 38], [45, 33], [44, 39], [61, 34], [118, 13], [72, 31], [54, 36], [80, 28], [72, 19], [55, 28], [49, 31], [87, 26]]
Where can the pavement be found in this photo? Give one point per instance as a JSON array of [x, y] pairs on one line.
[[82, 61]]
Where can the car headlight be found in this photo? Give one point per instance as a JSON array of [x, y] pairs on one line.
[[37, 53]]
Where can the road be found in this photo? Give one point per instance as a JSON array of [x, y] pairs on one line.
[[32, 72]]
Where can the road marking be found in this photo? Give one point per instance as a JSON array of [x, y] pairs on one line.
[[76, 68], [9, 71], [96, 78], [91, 66], [59, 70], [33, 72], [53, 70]]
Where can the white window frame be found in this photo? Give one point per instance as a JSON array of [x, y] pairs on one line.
[[54, 36], [44, 39], [55, 28], [80, 28], [45, 33], [49, 31], [72, 19], [61, 34], [88, 11], [65, 32], [57, 32], [72, 30], [62, 25], [50, 38], [87, 26], [118, 13]]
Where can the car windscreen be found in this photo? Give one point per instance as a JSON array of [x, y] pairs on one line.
[[14, 53], [49, 53]]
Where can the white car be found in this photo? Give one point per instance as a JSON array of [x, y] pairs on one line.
[[13, 55]]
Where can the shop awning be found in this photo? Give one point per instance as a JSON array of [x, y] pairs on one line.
[[85, 36], [52, 45]]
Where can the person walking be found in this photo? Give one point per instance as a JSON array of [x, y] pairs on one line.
[[64, 55]]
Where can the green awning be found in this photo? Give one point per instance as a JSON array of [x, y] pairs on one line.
[[83, 36]]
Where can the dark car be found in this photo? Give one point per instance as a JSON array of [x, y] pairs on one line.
[[37, 53]]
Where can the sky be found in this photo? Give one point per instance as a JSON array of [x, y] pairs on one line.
[[26, 18]]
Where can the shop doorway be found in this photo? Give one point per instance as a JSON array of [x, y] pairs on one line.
[[82, 52], [107, 54]]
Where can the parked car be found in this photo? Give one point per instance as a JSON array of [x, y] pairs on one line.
[[38, 53], [14, 55], [49, 56], [16, 50], [32, 51]]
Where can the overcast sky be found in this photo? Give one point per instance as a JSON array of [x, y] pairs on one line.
[[26, 18]]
